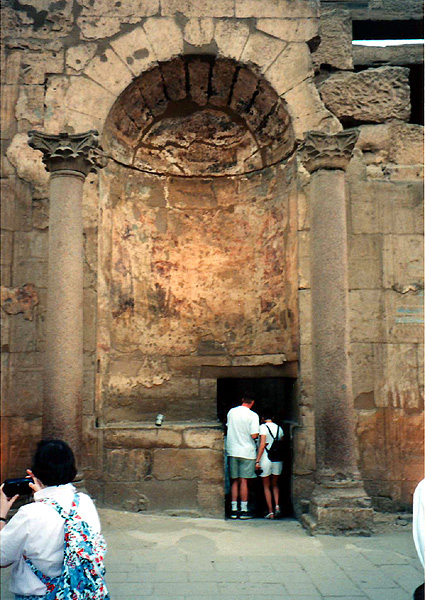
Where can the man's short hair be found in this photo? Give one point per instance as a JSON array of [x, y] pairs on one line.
[[247, 399], [54, 463]]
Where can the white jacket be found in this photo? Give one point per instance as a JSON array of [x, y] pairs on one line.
[[37, 531]]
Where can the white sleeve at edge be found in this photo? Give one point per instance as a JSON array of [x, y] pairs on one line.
[[419, 520]]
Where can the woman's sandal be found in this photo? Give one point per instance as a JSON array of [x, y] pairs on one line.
[[270, 516]]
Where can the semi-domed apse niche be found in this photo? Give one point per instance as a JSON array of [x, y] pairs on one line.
[[197, 238], [197, 115]]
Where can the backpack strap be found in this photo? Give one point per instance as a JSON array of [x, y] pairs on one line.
[[277, 434], [271, 432], [51, 582], [58, 508]]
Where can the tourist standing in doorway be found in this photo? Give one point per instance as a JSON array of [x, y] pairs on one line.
[[243, 427], [270, 471]]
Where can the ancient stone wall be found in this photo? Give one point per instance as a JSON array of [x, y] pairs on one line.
[[385, 226], [147, 339]]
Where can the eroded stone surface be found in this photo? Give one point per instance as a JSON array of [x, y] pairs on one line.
[[335, 48], [177, 268], [373, 95], [290, 30], [19, 300]]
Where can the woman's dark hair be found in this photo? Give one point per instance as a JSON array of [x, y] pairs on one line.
[[267, 413], [54, 463]]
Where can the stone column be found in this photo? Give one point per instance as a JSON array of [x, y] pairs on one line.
[[68, 158], [339, 502]]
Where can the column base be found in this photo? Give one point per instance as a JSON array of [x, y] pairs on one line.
[[343, 509]]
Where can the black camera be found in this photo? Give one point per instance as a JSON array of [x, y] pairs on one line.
[[19, 485], [258, 471]]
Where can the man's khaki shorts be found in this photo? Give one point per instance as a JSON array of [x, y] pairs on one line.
[[241, 467]]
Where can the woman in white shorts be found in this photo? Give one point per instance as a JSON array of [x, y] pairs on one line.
[[270, 470]]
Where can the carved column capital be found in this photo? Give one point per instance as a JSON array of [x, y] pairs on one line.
[[324, 151], [70, 152]]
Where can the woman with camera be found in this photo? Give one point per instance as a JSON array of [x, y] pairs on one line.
[[269, 470], [33, 540]]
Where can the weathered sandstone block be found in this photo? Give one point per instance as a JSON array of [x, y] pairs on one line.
[[98, 27], [406, 147], [126, 464], [404, 312], [304, 298], [64, 98], [335, 49], [211, 498], [135, 50], [203, 464], [308, 111], [394, 142], [364, 365], [364, 261], [109, 71], [365, 311], [46, 20], [194, 8], [157, 31], [18, 435], [77, 57], [199, 32], [404, 434], [8, 104], [397, 385], [374, 56], [30, 106], [230, 37], [142, 8], [403, 263], [292, 67], [374, 95], [262, 49], [276, 8], [290, 30], [143, 437], [203, 438]]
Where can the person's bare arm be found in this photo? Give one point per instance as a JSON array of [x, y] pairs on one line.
[[5, 505], [261, 447]]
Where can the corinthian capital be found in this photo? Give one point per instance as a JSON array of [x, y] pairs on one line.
[[325, 151], [78, 152]]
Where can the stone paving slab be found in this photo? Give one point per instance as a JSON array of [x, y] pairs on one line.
[[161, 557]]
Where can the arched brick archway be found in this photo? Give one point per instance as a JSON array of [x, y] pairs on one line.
[[199, 115]]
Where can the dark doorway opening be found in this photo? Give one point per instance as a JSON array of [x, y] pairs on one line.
[[278, 393]]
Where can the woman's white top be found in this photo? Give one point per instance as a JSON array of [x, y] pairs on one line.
[[264, 430], [37, 531]]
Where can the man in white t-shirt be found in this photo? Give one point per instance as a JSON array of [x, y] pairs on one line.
[[243, 426]]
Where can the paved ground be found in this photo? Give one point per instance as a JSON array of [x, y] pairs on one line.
[[182, 558]]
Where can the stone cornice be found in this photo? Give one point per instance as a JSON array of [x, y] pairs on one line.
[[325, 151], [73, 152]]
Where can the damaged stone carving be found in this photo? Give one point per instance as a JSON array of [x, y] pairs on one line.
[[24, 299]]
